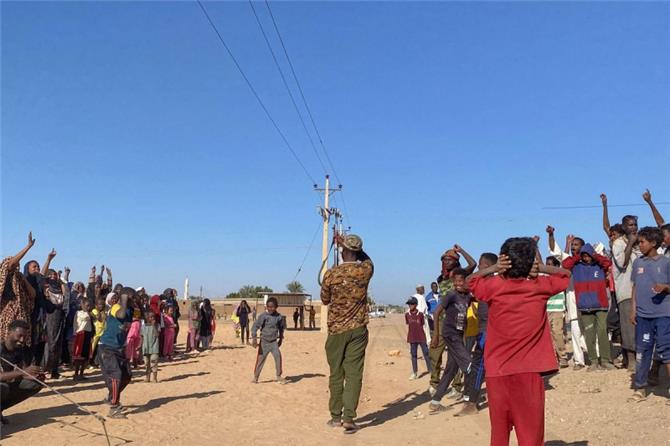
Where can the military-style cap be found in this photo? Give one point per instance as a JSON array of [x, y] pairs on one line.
[[352, 242]]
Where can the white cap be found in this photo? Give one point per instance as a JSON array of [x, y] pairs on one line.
[[420, 286]]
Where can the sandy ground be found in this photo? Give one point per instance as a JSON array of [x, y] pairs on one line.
[[209, 399]]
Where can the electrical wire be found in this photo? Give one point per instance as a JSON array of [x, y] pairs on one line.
[[288, 89], [309, 249], [253, 91], [599, 206], [304, 100], [100, 418]]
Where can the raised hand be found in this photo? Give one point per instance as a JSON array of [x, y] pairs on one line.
[[646, 196], [109, 271], [31, 240], [102, 270], [603, 198], [504, 263], [550, 230], [536, 238], [569, 239], [458, 248], [52, 254]]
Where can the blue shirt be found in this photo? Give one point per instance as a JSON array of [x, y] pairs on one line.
[[114, 335], [432, 299], [647, 272]]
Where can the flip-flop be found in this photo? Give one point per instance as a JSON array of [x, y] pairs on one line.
[[637, 397]]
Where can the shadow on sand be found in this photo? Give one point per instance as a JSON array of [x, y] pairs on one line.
[[296, 378], [394, 409], [158, 402]]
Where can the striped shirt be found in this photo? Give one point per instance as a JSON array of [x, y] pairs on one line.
[[556, 303]]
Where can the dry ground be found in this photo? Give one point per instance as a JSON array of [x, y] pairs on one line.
[[209, 399]]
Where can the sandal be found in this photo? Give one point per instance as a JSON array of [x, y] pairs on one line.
[[638, 396], [437, 408], [334, 423], [350, 428]]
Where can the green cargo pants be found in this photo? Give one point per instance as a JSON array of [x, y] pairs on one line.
[[436, 361], [595, 331], [346, 358]]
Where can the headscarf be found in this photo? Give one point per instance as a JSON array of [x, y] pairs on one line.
[[154, 304], [109, 298], [448, 254], [22, 303]]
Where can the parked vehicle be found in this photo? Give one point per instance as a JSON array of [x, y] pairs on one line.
[[377, 313]]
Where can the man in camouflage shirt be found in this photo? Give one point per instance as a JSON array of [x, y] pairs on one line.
[[345, 291]]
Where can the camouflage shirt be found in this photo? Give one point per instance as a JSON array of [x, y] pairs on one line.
[[345, 291]]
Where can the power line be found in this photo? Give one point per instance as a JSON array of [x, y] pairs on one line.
[[318, 227], [304, 100], [599, 206], [253, 90], [288, 89]]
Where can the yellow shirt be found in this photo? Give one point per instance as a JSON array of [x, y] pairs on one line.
[[472, 329], [99, 325]]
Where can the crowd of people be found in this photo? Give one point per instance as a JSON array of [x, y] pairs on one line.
[[506, 323], [502, 320], [48, 322]]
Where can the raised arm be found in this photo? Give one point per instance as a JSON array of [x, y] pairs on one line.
[[472, 263], [646, 196], [91, 276], [46, 265], [606, 218], [19, 255], [548, 269], [110, 284], [552, 241]]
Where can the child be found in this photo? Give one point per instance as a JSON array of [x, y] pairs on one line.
[[475, 377], [134, 337], [150, 346], [519, 349], [590, 281], [169, 332], [272, 334], [99, 314], [651, 286], [416, 337], [455, 306], [556, 316], [193, 327], [82, 339]]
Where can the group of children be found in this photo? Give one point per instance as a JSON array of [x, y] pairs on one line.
[[150, 333], [520, 303]]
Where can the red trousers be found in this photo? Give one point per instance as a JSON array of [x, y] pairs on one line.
[[516, 401]]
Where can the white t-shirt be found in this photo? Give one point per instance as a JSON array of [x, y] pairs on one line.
[[622, 276], [83, 322]]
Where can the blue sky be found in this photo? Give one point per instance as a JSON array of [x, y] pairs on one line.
[[129, 139]]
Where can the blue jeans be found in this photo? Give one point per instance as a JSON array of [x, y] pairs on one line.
[[413, 348], [650, 332]]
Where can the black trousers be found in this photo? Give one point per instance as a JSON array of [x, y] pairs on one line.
[[115, 369], [55, 328], [458, 358], [475, 377]]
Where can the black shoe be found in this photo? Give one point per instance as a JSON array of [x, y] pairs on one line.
[[350, 427]]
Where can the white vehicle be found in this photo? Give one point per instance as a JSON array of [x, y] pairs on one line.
[[376, 313]]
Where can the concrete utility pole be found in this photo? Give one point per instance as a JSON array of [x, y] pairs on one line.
[[326, 212]]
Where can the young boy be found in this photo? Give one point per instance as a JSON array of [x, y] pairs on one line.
[[590, 281], [475, 377], [455, 306], [556, 316], [416, 337], [518, 349], [151, 346], [651, 286], [272, 334], [83, 338]]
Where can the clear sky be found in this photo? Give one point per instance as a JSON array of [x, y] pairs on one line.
[[129, 138]]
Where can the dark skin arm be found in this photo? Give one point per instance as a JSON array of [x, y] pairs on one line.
[[633, 300], [472, 263], [121, 312], [552, 240], [632, 238], [19, 255], [47, 263], [435, 339], [658, 218], [606, 218], [33, 370]]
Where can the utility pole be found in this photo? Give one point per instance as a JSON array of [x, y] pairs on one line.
[[326, 212]]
